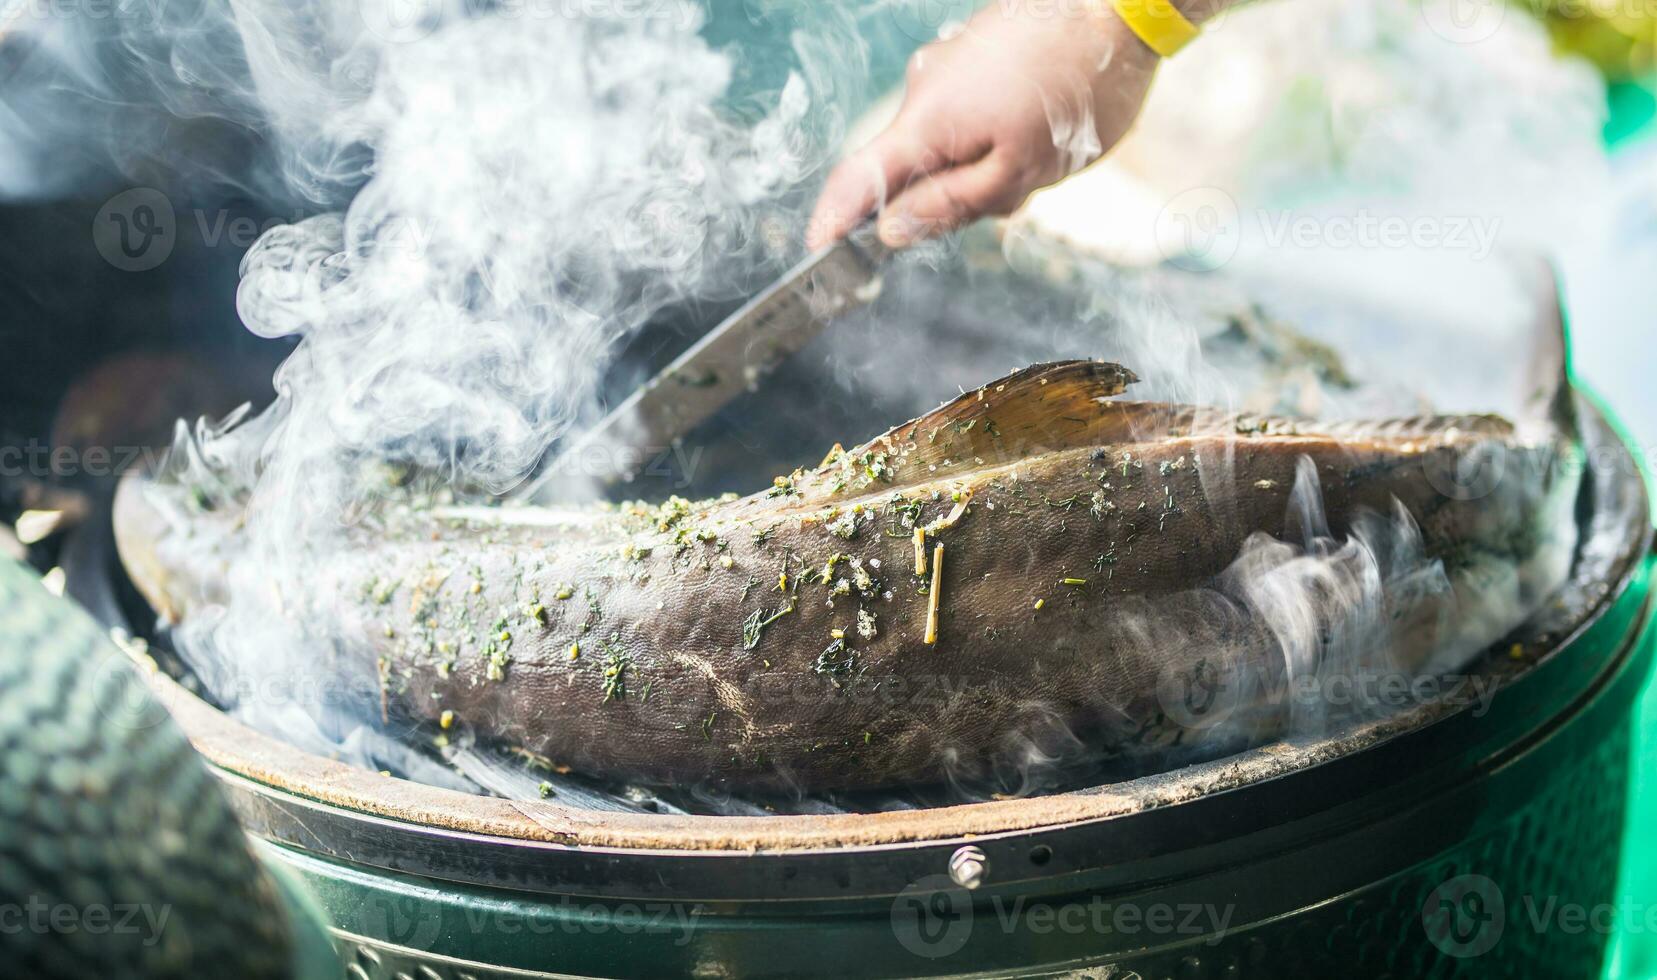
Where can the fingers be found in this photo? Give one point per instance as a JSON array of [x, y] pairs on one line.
[[944, 201], [884, 167]]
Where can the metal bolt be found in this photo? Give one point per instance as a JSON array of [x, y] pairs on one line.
[[967, 866]]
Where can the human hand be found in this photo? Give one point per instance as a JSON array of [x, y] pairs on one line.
[[1020, 98]]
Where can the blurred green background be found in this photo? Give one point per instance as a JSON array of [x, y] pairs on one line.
[[1614, 313]]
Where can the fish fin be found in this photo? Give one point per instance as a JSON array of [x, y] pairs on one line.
[[140, 528], [1547, 397], [1415, 427], [1042, 408]]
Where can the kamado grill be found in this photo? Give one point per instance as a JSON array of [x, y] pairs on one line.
[[1406, 846]]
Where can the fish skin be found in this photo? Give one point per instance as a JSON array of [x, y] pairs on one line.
[[1032, 454]]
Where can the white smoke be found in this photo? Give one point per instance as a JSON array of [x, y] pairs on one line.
[[539, 189], [516, 190]]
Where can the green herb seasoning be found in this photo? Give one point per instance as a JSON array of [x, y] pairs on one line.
[[616, 665], [836, 662], [754, 626]]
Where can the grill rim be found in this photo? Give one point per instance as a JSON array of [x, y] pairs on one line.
[[406, 826], [265, 773]]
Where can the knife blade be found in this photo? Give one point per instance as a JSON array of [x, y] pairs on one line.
[[730, 359]]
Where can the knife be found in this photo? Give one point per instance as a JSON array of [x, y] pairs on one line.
[[730, 359]]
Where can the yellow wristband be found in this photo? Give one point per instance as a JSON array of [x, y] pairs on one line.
[[1158, 23]]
